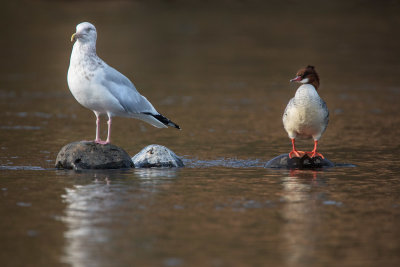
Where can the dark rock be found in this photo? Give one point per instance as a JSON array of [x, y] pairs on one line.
[[305, 162], [89, 155], [156, 156]]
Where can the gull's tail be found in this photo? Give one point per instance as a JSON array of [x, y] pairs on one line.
[[163, 120]]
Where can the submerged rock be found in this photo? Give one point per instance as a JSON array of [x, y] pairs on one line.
[[305, 162], [156, 156], [89, 155]]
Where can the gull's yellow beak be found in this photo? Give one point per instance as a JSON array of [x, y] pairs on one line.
[[73, 37]]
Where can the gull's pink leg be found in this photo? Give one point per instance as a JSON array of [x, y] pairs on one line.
[[109, 129], [98, 139]]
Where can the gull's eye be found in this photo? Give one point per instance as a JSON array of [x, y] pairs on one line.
[[88, 29]]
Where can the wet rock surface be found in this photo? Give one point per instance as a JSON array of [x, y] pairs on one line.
[[89, 155], [156, 156], [284, 162]]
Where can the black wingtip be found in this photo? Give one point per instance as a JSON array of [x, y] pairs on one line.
[[177, 126], [164, 120], [173, 124]]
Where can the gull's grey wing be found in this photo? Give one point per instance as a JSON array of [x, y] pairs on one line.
[[125, 92]]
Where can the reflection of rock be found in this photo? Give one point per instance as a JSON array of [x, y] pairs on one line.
[[156, 156], [89, 155], [151, 173], [283, 161]]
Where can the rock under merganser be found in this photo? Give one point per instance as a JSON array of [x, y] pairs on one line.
[[305, 162], [104, 90], [306, 115]]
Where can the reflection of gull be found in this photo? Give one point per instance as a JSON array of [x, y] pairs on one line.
[[101, 88], [82, 216], [99, 213]]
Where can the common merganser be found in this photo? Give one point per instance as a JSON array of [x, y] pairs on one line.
[[104, 90], [306, 115]]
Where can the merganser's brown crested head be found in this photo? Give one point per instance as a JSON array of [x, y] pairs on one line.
[[307, 75]]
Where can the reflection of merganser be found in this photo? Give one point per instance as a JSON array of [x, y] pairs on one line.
[[306, 114], [101, 88]]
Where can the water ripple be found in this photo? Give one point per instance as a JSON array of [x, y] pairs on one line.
[[222, 162], [24, 168], [20, 127]]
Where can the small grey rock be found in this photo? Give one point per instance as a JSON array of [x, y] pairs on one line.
[[305, 162], [156, 156], [90, 155]]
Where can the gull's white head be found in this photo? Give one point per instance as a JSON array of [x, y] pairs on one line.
[[85, 32]]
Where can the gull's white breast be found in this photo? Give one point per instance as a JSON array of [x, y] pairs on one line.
[[84, 81]]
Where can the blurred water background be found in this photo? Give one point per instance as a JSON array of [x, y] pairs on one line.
[[221, 70]]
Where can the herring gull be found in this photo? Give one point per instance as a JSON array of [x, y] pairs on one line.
[[104, 90]]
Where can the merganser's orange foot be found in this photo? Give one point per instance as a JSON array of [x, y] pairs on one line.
[[313, 154], [296, 153]]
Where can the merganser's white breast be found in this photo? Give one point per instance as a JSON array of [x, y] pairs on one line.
[[306, 114]]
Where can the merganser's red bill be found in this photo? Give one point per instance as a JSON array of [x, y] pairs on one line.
[[296, 79]]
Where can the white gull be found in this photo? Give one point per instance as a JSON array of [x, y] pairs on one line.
[[103, 89]]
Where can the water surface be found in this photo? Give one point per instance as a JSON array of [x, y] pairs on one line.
[[221, 71]]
